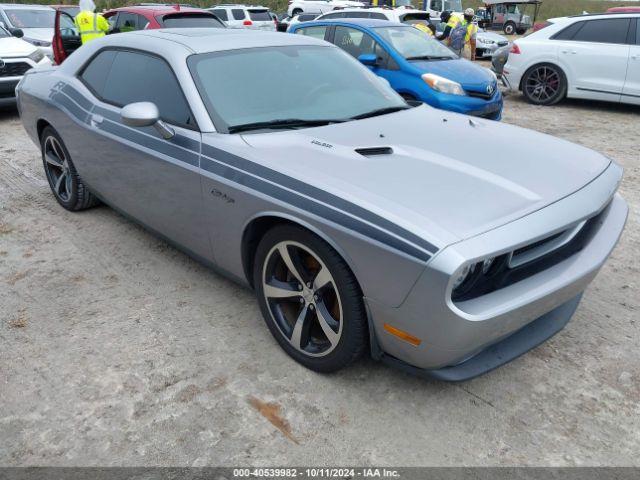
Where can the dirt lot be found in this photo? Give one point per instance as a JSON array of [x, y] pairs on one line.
[[115, 349]]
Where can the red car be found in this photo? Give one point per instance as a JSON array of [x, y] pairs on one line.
[[127, 19], [624, 10]]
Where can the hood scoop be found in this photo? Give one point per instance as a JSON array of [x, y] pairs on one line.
[[373, 151]]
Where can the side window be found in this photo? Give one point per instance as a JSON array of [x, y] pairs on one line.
[[357, 15], [569, 32], [112, 21], [128, 82], [315, 32], [142, 22], [95, 74], [436, 5], [238, 13], [353, 41], [127, 22], [612, 30], [221, 13], [637, 31], [333, 15], [377, 16]]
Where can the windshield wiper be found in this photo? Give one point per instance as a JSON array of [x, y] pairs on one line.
[[281, 124], [379, 111], [430, 57]]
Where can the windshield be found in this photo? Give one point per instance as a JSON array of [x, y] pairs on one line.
[[260, 15], [31, 18], [309, 83], [191, 21], [453, 5], [414, 44]]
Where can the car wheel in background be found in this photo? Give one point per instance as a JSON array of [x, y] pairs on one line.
[[65, 183], [509, 28], [309, 299], [521, 31], [296, 11], [544, 84]]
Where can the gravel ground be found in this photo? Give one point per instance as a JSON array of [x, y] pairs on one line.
[[116, 349]]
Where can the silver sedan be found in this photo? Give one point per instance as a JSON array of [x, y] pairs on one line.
[[364, 225]]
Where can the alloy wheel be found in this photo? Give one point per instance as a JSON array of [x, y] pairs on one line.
[[57, 169], [302, 298], [543, 84]]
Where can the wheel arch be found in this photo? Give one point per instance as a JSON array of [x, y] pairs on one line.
[[41, 124], [258, 225]]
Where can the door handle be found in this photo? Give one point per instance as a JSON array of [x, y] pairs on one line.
[[96, 120]]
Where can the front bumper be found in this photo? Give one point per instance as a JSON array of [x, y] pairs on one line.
[[452, 333], [474, 106]]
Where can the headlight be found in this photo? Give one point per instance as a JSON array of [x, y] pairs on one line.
[[477, 277], [36, 56], [442, 84], [38, 43]]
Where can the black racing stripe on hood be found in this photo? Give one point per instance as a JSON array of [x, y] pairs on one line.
[[315, 193]]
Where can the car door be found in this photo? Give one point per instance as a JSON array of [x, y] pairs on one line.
[[631, 90], [66, 38], [136, 170], [595, 58]]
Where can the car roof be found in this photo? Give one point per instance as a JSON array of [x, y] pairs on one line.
[[205, 40], [158, 9], [21, 6], [360, 22]]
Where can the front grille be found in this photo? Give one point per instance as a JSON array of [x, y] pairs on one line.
[[14, 69], [483, 95]]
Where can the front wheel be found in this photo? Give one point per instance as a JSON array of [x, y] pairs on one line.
[[296, 11], [509, 28], [544, 84], [309, 299], [66, 185]]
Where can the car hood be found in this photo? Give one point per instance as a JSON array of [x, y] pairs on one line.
[[436, 183], [493, 36], [15, 47], [43, 34], [472, 77]]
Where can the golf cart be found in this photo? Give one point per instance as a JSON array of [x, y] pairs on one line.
[[508, 15]]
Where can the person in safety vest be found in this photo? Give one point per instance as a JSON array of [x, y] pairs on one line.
[[90, 25], [460, 32]]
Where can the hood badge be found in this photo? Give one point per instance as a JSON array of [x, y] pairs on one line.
[[490, 90], [321, 144]]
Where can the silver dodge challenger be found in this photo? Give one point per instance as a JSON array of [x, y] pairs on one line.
[[364, 224]]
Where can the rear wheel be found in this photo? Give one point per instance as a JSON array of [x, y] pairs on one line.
[[309, 299], [296, 11], [65, 183], [544, 84], [521, 31]]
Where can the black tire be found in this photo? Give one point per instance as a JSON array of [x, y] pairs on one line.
[[509, 28], [408, 97], [296, 11], [544, 84], [66, 185], [353, 334], [521, 31]]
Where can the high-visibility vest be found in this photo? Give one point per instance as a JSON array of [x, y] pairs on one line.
[[422, 27], [472, 28], [91, 26]]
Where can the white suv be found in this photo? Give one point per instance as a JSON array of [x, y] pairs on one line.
[[297, 7], [16, 57], [244, 16], [588, 56], [401, 15]]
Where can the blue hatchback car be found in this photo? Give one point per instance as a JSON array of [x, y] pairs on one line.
[[417, 66]]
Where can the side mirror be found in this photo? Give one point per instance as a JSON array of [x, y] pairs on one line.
[[145, 114], [16, 32], [368, 59]]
